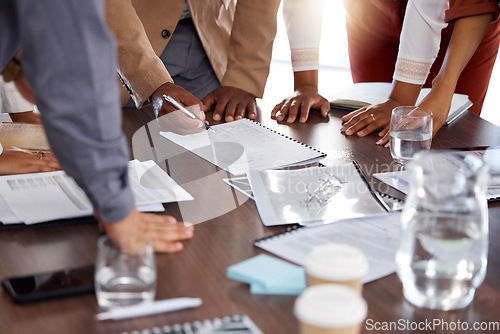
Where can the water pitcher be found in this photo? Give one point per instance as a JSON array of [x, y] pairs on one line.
[[443, 250]]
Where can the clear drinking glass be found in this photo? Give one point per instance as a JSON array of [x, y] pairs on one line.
[[442, 255], [410, 132], [124, 275]]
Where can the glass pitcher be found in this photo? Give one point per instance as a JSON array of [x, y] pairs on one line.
[[443, 249]]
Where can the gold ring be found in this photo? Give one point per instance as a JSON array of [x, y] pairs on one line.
[[40, 155], [373, 117]]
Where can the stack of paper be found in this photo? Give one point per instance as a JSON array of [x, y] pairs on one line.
[[269, 276], [40, 197]]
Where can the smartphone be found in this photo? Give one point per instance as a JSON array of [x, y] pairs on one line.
[[48, 285]]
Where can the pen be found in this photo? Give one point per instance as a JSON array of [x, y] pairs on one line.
[[139, 310], [185, 111]]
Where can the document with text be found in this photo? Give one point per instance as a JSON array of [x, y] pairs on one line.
[[39, 197]]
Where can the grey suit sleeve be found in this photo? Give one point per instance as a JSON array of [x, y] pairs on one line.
[[69, 59]]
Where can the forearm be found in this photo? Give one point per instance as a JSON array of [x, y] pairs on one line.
[[76, 90], [303, 25], [139, 66], [466, 37], [420, 40], [305, 78], [405, 94]]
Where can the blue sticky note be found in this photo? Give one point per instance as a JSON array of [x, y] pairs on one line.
[[265, 273], [294, 286]]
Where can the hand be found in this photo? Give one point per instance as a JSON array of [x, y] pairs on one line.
[[17, 161], [368, 119], [169, 118], [304, 98], [438, 101], [165, 232], [26, 117], [233, 101]]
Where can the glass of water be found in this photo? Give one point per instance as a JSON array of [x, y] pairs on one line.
[[410, 132], [125, 274]]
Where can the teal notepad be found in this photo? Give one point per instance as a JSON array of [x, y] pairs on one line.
[[269, 275]]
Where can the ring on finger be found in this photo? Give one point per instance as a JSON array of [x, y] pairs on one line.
[[373, 117], [40, 155]]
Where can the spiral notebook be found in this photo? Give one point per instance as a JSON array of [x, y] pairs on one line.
[[243, 145]]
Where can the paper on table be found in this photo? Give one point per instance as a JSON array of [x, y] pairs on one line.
[[39, 197], [244, 145], [491, 156], [282, 198], [377, 237], [6, 214]]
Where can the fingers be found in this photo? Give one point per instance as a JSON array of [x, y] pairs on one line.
[[325, 108], [208, 101], [352, 114], [18, 162], [231, 101], [251, 109], [276, 109], [384, 140], [304, 111], [291, 107], [364, 122], [165, 232]]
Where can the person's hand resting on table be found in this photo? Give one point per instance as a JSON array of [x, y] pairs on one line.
[[17, 161], [305, 98], [231, 101], [165, 232], [368, 119], [301, 102]]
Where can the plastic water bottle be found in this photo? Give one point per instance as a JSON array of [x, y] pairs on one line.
[[442, 256]]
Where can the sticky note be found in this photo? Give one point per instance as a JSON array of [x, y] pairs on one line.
[[269, 275]]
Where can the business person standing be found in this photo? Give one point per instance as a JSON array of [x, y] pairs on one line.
[[69, 61]]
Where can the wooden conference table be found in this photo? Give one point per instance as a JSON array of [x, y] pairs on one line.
[[231, 223]]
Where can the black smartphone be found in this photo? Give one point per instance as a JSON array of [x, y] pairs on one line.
[[40, 286]]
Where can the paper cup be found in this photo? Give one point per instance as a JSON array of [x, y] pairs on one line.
[[330, 309], [336, 263]]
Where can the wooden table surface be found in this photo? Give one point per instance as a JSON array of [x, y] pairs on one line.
[[227, 223]]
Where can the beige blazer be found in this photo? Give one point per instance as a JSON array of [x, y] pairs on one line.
[[237, 37]]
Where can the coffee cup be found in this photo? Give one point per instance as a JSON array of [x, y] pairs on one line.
[[330, 309], [336, 263]]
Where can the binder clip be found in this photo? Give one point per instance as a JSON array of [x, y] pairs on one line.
[[322, 190]]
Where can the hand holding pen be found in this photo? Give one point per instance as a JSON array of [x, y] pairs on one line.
[[171, 120], [186, 112]]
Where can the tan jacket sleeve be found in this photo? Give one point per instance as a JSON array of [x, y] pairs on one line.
[[250, 47], [139, 67]]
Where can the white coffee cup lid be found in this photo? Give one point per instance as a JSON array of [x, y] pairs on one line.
[[335, 261], [330, 306]]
